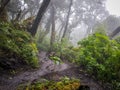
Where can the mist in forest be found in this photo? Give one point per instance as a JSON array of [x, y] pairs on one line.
[[59, 45]]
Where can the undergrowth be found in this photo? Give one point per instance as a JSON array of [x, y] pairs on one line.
[[100, 56], [16, 46], [64, 84]]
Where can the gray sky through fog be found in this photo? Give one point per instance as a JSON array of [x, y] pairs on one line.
[[113, 6]]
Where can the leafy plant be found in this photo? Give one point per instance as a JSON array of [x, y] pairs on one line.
[[65, 50], [56, 59], [70, 53], [17, 44], [118, 39], [100, 56]]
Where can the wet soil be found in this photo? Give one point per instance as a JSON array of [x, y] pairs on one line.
[[47, 70]]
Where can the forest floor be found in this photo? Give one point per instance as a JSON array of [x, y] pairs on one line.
[[47, 70]]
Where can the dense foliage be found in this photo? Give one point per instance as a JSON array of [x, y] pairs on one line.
[[97, 54], [64, 84], [100, 56], [44, 45], [65, 50], [16, 46]]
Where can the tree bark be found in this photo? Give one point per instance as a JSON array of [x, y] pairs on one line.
[[115, 32], [52, 40], [3, 11], [3, 5], [39, 16], [67, 19]]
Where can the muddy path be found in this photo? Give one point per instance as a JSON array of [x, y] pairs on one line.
[[47, 70]]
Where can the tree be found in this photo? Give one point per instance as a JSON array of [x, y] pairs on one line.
[[67, 19], [39, 16], [46, 28], [22, 9], [14, 9], [4, 3], [90, 12], [31, 9], [3, 11], [83, 12], [52, 40]]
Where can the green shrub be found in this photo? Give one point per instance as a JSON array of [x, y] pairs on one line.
[[44, 45], [118, 39], [70, 54], [100, 56], [17, 44], [65, 50], [56, 59]]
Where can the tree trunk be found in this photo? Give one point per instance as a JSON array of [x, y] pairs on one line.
[[67, 19], [39, 16], [52, 40], [115, 32], [47, 28], [60, 32], [3, 11], [3, 5]]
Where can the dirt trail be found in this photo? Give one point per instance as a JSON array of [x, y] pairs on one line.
[[46, 70]]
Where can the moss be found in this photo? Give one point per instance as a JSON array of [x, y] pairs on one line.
[[72, 84]]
